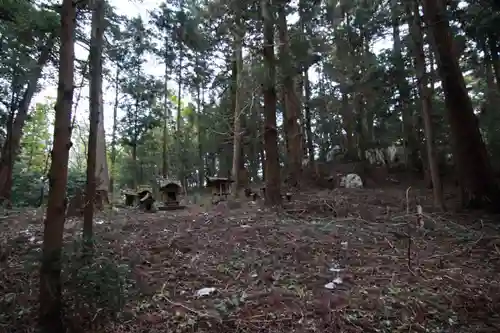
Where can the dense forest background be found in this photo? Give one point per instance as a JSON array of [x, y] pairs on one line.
[[332, 88]]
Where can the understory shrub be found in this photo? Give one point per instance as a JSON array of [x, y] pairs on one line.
[[94, 292], [31, 188]]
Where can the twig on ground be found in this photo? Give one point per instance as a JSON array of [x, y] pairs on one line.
[[391, 245], [409, 228]]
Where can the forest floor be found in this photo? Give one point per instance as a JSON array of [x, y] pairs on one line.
[[330, 261]]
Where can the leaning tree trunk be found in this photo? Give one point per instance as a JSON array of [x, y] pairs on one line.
[[471, 158], [426, 97], [11, 145], [291, 102], [272, 166], [50, 272]]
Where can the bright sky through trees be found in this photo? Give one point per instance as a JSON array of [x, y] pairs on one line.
[[131, 9]]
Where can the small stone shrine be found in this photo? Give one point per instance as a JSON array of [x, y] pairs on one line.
[[170, 191], [220, 186]]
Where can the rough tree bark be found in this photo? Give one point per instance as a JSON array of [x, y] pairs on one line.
[[50, 273], [309, 142], [95, 107], [272, 166], [11, 145], [255, 142], [102, 170], [472, 161], [115, 128], [302, 105], [307, 116], [291, 102], [493, 92], [348, 124], [495, 59], [166, 114], [237, 111], [426, 97], [199, 115], [178, 130], [411, 150]]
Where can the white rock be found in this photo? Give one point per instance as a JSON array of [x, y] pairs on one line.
[[330, 285], [205, 291], [351, 180]]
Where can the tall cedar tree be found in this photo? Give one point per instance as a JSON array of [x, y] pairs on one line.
[[475, 174], [50, 273], [95, 87], [272, 166]]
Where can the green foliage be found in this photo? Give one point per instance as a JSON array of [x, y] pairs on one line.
[[27, 186], [76, 181], [98, 290], [30, 188], [37, 137], [25, 29], [30, 184]]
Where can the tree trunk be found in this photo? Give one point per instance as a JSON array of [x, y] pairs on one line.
[[262, 158], [494, 49], [115, 127], [410, 151], [359, 111], [492, 94], [307, 107], [471, 158], [8, 152], [95, 91], [178, 130], [426, 97], [302, 104], [134, 145], [101, 169], [272, 168], [348, 125], [306, 86], [50, 272], [199, 114], [11, 145], [237, 110], [255, 140], [134, 163], [291, 102], [164, 170]]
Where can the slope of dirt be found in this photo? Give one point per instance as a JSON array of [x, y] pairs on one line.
[[334, 261]]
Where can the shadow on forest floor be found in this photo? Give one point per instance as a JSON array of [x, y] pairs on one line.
[[330, 261]]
